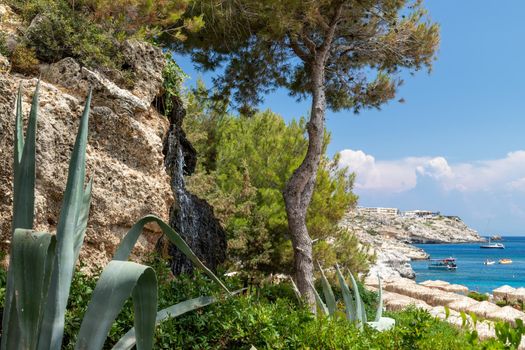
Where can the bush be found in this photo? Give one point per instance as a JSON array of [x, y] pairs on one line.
[[24, 60], [3, 44], [478, 296]]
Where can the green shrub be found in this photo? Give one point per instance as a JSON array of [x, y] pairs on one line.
[[502, 303], [478, 296], [266, 318], [24, 60], [3, 44]]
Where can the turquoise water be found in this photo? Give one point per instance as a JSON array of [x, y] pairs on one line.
[[471, 272]]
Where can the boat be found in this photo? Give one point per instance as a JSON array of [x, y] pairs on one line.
[[491, 245], [447, 264], [489, 262], [505, 261]]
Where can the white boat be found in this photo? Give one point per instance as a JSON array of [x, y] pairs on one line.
[[489, 262], [491, 245]]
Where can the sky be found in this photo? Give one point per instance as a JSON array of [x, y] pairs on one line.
[[457, 143]]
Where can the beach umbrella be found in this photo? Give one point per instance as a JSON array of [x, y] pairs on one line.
[[483, 308], [444, 298], [455, 288], [485, 330], [396, 302], [401, 304], [516, 295], [507, 313], [502, 292], [434, 284], [462, 304]]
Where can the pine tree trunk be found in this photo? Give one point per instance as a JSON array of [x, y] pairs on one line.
[[299, 189]]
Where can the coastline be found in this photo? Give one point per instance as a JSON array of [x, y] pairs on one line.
[[391, 237]]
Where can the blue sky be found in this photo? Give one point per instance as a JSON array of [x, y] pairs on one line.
[[457, 143]]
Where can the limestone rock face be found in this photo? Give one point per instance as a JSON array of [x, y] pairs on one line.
[[146, 62], [124, 154], [5, 65], [70, 75]]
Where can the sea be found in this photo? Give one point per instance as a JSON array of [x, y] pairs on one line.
[[471, 271]]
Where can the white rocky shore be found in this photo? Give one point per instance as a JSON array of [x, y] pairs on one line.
[[390, 237]]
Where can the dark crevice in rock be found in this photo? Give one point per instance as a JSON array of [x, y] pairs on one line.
[[191, 216]]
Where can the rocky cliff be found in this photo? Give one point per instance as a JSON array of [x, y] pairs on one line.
[[390, 238], [125, 147], [124, 154]]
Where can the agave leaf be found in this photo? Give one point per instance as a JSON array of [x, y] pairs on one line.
[[360, 307], [33, 255], [128, 341], [72, 211], [23, 205], [295, 289], [24, 165], [19, 134], [319, 301], [118, 281], [129, 240], [80, 230], [379, 312], [350, 306], [328, 293]]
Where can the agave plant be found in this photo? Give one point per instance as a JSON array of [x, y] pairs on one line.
[[42, 265], [354, 306]]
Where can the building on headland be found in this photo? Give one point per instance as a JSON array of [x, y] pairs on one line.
[[395, 212]]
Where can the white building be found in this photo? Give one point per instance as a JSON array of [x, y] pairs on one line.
[[392, 212]]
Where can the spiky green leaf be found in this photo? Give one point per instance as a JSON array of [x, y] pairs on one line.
[[129, 240], [67, 238], [318, 300], [295, 289], [379, 312], [23, 204], [24, 165], [360, 307], [33, 255], [350, 307], [128, 341], [118, 281], [328, 293]]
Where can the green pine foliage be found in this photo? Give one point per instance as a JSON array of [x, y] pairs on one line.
[[243, 166]]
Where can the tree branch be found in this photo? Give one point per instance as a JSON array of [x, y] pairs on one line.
[[298, 50], [325, 46]]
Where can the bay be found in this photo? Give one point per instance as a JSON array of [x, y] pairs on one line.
[[471, 271]]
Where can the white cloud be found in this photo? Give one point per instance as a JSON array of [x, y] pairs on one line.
[[394, 176]]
